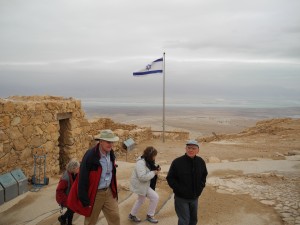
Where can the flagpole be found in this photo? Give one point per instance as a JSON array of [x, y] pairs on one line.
[[164, 97]]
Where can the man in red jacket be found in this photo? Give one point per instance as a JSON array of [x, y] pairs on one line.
[[96, 188]]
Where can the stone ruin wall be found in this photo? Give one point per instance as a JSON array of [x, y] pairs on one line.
[[55, 127], [123, 131], [41, 125]]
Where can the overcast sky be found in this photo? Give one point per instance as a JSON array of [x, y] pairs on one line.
[[215, 49]]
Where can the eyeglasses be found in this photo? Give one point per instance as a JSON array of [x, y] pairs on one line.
[[191, 147], [109, 142]]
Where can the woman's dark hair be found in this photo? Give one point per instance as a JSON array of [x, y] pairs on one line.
[[149, 153]]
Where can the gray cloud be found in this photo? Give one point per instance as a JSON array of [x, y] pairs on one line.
[[90, 48]]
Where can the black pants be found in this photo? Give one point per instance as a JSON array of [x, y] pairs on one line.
[[68, 216], [186, 211]]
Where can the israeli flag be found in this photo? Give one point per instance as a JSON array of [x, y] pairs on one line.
[[155, 67]]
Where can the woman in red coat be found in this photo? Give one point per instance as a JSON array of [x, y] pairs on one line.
[[63, 189]]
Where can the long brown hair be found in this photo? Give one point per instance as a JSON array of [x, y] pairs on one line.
[[149, 153]]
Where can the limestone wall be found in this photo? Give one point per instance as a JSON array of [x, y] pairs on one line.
[[41, 125], [124, 131]]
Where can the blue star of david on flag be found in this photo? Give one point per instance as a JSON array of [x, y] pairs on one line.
[[148, 67]]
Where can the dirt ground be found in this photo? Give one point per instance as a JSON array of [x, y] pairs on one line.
[[269, 140], [236, 193]]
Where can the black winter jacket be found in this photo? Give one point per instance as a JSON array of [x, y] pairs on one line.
[[187, 176]]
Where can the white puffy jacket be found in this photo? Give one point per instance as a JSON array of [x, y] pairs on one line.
[[140, 178]]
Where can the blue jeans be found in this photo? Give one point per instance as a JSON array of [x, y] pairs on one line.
[[186, 210]]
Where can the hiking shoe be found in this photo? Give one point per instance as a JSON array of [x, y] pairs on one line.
[[62, 222], [151, 219], [134, 218]]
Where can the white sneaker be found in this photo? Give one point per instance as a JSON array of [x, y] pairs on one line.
[[151, 219]]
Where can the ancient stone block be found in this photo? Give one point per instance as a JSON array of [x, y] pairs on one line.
[[6, 121], [26, 154], [20, 107], [15, 121], [19, 144], [53, 106], [48, 117], [37, 141], [9, 107], [6, 147], [28, 131], [40, 107], [25, 120], [38, 130], [31, 106], [71, 105], [49, 146], [14, 133], [3, 136], [37, 119], [51, 128]]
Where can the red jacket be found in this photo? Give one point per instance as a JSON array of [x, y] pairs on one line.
[[63, 188], [83, 193]]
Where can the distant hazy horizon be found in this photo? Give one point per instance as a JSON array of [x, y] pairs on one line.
[[94, 107], [241, 102]]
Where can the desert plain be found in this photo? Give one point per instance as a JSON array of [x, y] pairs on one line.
[[253, 161]]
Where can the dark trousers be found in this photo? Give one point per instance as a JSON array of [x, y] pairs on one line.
[[68, 216], [186, 210]]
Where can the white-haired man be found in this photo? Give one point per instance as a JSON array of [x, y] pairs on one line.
[[187, 177]]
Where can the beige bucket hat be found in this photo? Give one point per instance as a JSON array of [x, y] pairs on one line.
[[106, 135]]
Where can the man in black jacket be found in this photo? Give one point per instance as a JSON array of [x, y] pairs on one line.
[[187, 178]]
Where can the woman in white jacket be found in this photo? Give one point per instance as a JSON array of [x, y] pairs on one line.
[[144, 171]]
